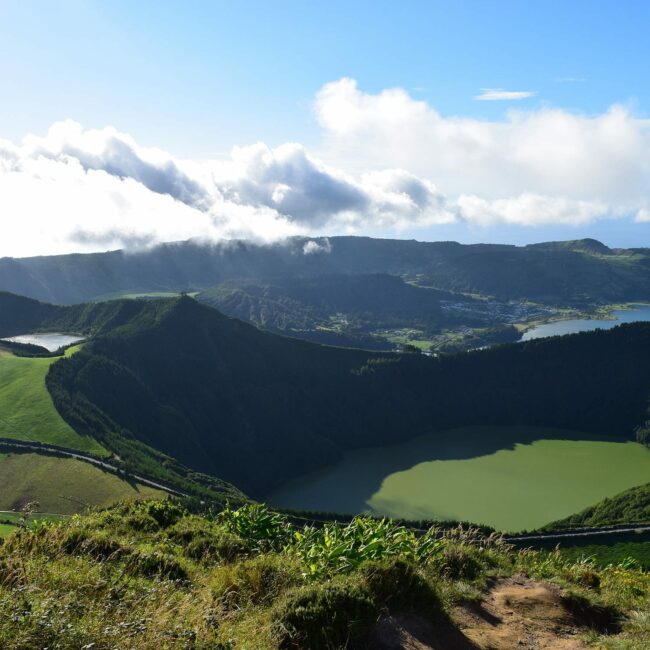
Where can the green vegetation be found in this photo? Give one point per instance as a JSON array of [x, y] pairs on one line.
[[6, 529], [61, 485], [256, 409], [351, 310], [575, 273], [605, 554], [149, 575], [631, 506], [27, 411], [10, 520]]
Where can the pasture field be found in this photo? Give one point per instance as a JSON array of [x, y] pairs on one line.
[[26, 408], [9, 520], [62, 485], [6, 529]]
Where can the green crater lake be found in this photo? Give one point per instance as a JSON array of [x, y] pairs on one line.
[[506, 477]]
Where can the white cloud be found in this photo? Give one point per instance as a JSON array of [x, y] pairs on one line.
[[388, 154], [602, 159], [498, 95], [643, 215], [77, 189], [312, 246], [530, 210]]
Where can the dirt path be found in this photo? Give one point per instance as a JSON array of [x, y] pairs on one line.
[[516, 613]]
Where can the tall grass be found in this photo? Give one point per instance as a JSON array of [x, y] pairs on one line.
[[151, 575]]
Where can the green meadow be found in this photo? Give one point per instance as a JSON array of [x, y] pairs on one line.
[[9, 520], [26, 408], [505, 477], [61, 485], [6, 529]]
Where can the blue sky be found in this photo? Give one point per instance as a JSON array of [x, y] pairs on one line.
[[196, 79]]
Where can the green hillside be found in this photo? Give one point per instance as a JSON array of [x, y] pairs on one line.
[[62, 485], [150, 575], [21, 315], [26, 408], [362, 310], [582, 272], [631, 506], [256, 409]]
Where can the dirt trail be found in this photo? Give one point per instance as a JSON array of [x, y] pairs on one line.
[[516, 614]]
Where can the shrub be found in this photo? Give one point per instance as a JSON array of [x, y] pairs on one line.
[[155, 564], [165, 513], [221, 546], [262, 529], [324, 616], [339, 549], [255, 581], [458, 562], [203, 541], [100, 547], [396, 584]]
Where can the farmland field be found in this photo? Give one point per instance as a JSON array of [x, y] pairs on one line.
[[499, 476], [9, 520], [26, 408], [61, 485], [6, 529]]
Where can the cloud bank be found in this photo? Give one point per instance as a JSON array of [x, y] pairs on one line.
[[394, 163]]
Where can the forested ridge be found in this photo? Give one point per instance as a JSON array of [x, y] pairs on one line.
[[579, 272], [256, 409], [629, 507]]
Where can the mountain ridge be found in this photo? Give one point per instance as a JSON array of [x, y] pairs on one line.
[[552, 272]]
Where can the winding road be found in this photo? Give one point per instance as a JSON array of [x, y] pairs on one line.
[[69, 453]]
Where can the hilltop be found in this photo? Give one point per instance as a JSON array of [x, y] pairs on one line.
[[151, 575]]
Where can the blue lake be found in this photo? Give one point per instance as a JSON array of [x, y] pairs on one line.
[[51, 342], [639, 313]]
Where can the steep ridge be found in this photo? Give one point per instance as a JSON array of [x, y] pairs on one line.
[[557, 272], [255, 408], [629, 507], [20, 315]]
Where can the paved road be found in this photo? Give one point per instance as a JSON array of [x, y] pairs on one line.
[[19, 444]]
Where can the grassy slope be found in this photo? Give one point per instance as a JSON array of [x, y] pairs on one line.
[[150, 576], [26, 408], [631, 506], [10, 520], [61, 485]]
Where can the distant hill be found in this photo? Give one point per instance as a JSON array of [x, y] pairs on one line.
[[334, 309], [20, 315], [577, 272], [255, 408]]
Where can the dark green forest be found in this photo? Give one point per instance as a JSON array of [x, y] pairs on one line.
[[255, 408], [631, 506]]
